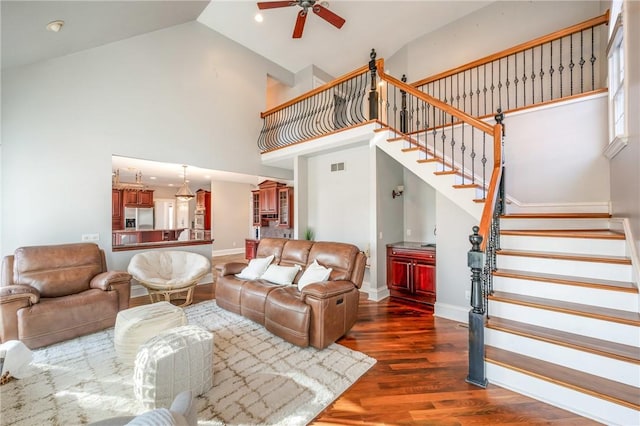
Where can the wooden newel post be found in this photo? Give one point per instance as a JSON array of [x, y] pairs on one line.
[[475, 260], [373, 90], [403, 110]]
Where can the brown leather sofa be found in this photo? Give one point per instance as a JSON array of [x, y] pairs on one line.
[[319, 314], [53, 293]]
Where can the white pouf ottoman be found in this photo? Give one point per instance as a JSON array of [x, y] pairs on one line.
[[174, 361], [135, 326]]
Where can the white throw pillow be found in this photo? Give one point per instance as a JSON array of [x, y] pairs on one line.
[[255, 268], [313, 274], [283, 275]]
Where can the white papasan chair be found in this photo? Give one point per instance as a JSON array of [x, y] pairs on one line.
[[168, 272]]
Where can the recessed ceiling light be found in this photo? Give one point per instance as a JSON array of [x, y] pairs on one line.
[[152, 177], [55, 26], [258, 17]]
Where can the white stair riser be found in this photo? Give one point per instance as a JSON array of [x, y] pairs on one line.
[[583, 404], [595, 246], [568, 293], [591, 327], [597, 270], [521, 223], [602, 366]]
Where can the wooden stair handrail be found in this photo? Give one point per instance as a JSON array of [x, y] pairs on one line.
[[462, 116], [593, 22], [363, 69]]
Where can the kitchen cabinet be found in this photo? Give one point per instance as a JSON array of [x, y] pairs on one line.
[[285, 207], [255, 208], [268, 192], [137, 198], [250, 248], [203, 209], [411, 272], [117, 211]]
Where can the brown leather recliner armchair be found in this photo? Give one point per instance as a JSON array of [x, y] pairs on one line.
[[53, 293]]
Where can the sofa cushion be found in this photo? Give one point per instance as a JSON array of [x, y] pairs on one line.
[[57, 270], [256, 268], [268, 246], [282, 275], [313, 274]]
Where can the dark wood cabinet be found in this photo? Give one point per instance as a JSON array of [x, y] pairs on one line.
[[268, 192], [250, 248], [137, 198], [117, 213], [411, 272], [203, 207], [285, 207]]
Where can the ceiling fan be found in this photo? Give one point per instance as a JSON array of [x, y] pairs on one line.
[[314, 5]]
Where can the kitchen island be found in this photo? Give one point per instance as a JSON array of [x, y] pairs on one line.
[[136, 239]]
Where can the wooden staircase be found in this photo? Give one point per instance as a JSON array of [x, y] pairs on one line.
[[563, 322]]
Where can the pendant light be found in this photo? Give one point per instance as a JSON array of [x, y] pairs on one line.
[[184, 193]]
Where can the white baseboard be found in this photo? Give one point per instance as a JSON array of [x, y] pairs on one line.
[[452, 312], [515, 206], [227, 252], [375, 294]]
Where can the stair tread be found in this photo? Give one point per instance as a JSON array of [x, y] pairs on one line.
[[599, 387], [622, 260], [556, 216], [596, 312], [624, 286], [566, 233], [589, 344]]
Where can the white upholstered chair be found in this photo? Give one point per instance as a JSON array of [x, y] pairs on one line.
[[168, 272]]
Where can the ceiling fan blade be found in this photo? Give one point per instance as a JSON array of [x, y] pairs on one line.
[[297, 30], [328, 16], [274, 4]]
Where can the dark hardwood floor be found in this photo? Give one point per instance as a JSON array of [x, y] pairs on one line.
[[419, 376]]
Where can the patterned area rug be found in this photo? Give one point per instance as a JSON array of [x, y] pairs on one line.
[[258, 378]]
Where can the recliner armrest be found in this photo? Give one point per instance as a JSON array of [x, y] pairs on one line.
[[14, 292], [231, 268], [327, 289], [105, 280]]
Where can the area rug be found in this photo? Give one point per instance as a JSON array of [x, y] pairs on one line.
[[259, 379]]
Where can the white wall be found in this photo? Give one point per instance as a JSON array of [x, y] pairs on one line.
[[338, 202], [419, 209], [230, 216], [554, 154], [389, 218], [147, 97], [452, 273]]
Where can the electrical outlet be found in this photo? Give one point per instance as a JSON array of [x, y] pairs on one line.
[[90, 237], [408, 232], [467, 295], [234, 243]]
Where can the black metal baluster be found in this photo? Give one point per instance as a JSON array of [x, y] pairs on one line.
[[499, 81], [551, 70], [541, 74], [515, 80], [463, 148], [478, 91], [484, 165], [524, 78], [485, 89], [593, 61], [533, 78], [473, 155], [582, 61], [492, 85], [458, 92], [453, 146], [507, 83], [561, 69], [571, 64]]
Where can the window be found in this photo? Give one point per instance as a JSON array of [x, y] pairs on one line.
[[617, 101]]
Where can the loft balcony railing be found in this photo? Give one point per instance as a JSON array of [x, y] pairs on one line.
[[556, 66]]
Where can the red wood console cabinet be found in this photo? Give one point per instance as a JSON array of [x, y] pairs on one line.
[[411, 272]]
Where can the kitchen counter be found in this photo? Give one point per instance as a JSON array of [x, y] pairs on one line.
[[132, 239], [413, 245]]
